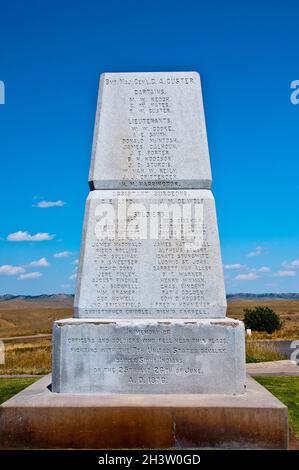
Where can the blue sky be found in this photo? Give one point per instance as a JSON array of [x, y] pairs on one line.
[[51, 55]]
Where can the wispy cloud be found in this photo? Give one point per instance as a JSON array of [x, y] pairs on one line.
[[46, 204], [264, 269], [234, 266], [256, 252], [26, 276], [291, 264], [66, 286], [288, 273], [246, 277], [24, 236], [62, 254], [76, 262], [9, 270], [42, 262]]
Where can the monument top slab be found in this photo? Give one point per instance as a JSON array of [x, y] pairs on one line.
[[150, 132]]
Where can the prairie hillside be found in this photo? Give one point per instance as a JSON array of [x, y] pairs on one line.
[[24, 316]]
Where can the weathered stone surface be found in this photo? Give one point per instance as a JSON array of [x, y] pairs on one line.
[[150, 132], [148, 356], [129, 269], [37, 418]]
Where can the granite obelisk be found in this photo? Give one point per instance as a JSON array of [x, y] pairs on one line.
[[150, 301]]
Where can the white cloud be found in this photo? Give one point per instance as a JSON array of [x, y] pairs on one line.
[[22, 236], [42, 262], [246, 277], [234, 266], [46, 204], [74, 273], [66, 286], [291, 264], [256, 252], [76, 262], [264, 269], [33, 275], [9, 270], [285, 274], [62, 254]]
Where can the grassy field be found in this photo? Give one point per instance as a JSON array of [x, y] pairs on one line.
[[28, 356], [256, 352], [10, 387], [285, 389], [287, 309], [35, 357], [25, 322], [39, 319]]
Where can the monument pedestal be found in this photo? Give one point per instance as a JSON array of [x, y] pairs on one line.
[[149, 356], [37, 418]]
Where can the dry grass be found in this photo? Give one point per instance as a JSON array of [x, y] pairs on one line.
[[32, 321], [256, 352], [27, 358], [34, 357]]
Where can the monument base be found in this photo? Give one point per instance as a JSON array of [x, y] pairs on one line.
[[37, 418], [172, 356]]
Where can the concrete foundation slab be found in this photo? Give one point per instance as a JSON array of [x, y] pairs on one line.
[[37, 418]]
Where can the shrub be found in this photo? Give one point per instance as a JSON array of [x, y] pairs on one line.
[[262, 319]]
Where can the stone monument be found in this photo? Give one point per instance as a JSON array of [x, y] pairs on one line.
[[150, 347], [150, 301]]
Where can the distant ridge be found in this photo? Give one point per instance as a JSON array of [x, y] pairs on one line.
[[34, 302], [272, 296], [69, 297], [6, 297]]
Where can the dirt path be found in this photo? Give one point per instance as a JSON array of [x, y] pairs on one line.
[[31, 338], [282, 368]]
